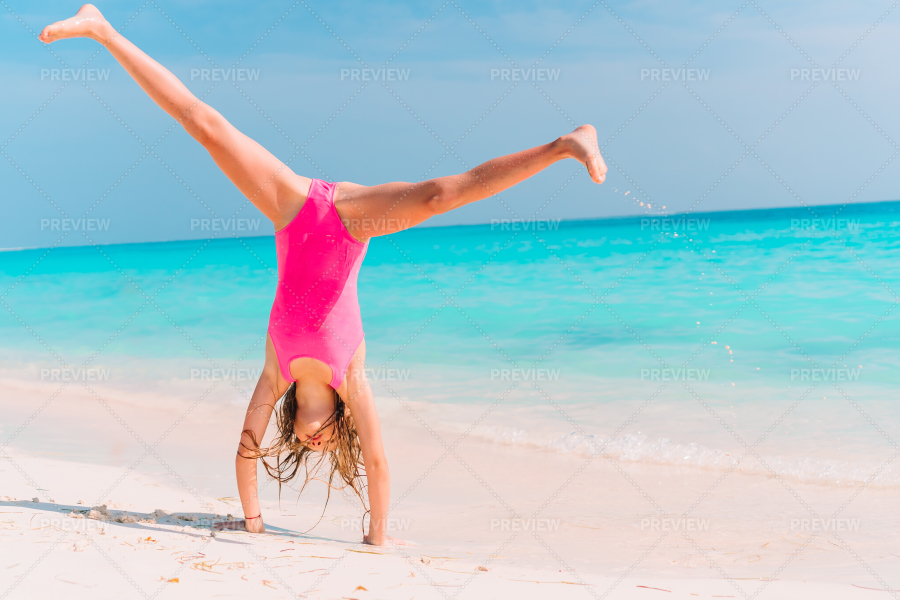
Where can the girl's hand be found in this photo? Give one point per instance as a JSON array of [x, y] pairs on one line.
[[251, 525]]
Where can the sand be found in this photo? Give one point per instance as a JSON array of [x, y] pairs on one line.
[[487, 520]]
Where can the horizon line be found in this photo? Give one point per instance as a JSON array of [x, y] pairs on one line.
[[560, 220]]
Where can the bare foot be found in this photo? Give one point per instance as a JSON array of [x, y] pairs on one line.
[[388, 541], [582, 145], [255, 526], [87, 22]]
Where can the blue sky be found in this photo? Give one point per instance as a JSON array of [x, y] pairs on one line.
[[73, 151]]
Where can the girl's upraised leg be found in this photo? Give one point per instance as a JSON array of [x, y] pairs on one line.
[[391, 207], [262, 178]]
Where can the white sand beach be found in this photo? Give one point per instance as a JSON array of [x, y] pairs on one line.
[[487, 520], [54, 549]]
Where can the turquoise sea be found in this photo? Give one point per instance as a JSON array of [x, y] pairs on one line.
[[705, 320]]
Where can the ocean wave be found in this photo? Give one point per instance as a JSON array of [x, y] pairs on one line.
[[639, 448]]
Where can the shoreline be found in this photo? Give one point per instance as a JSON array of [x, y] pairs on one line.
[[215, 411]]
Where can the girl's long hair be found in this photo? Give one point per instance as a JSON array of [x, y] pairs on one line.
[[287, 454]]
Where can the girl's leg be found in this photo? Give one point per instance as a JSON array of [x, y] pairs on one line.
[[265, 180], [392, 207]]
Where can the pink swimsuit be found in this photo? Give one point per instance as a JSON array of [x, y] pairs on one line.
[[316, 312]]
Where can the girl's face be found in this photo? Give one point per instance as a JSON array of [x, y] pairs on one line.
[[315, 439], [312, 414]]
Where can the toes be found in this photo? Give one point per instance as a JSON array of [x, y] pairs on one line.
[[47, 35], [596, 169]]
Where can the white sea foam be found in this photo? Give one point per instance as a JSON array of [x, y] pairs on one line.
[[639, 448]]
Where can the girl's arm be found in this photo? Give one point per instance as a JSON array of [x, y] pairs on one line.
[[357, 394], [378, 477], [259, 411]]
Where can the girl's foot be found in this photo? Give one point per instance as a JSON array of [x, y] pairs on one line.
[[253, 525], [388, 541], [582, 145], [87, 22]]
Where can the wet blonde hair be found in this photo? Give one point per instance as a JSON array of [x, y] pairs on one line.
[[287, 454]]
